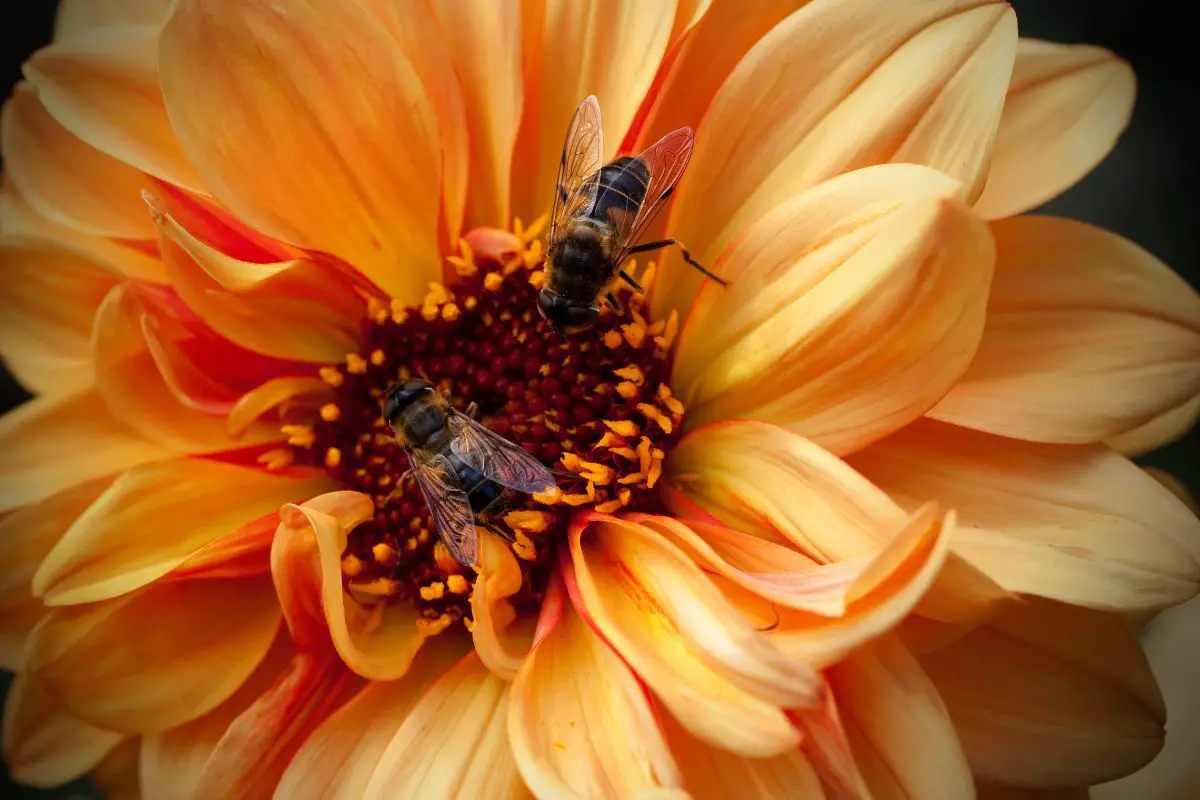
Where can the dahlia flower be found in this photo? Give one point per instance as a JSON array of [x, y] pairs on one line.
[[862, 522]]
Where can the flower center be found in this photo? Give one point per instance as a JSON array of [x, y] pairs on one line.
[[595, 407]]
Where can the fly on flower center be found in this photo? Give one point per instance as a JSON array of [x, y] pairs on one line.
[[594, 407]]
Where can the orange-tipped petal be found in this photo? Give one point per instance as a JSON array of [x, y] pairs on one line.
[[48, 298], [79, 16], [45, 746], [877, 293], [53, 443], [27, 535], [337, 760], [158, 657], [501, 644], [1034, 704], [1088, 336], [66, 179], [1065, 109], [1079, 524], [378, 642], [453, 743], [835, 87], [580, 723], [721, 678], [361, 196], [897, 725], [559, 74], [121, 542], [103, 86]]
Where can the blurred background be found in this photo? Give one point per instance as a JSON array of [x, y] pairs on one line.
[[1146, 191]]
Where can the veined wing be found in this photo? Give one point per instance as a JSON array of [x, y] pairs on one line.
[[665, 161], [448, 505], [582, 156], [506, 463]]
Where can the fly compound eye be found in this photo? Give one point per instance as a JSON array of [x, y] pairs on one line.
[[564, 314]]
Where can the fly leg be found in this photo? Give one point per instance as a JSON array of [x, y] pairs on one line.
[[625, 276], [643, 248]]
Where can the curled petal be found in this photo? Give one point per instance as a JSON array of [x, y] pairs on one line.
[[878, 290], [1088, 336], [103, 86], [78, 16], [27, 535], [1079, 524], [53, 443], [44, 745], [460, 722], [1034, 706], [721, 678], [500, 644], [360, 196], [832, 88], [272, 394], [580, 723], [378, 642], [1065, 108], [106, 552], [1158, 432]]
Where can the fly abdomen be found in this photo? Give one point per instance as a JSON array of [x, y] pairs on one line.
[[482, 492], [621, 187]]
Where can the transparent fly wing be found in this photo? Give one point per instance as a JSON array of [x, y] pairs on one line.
[[582, 157], [497, 458], [659, 169], [448, 505]]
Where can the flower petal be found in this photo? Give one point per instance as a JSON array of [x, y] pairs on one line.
[[1158, 432], [720, 677], [78, 16], [360, 196], [118, 776], [901, 735], [1065, 108], [44, 745], [580, 723], [993, 791], [47, 301], [875, 309], [1051, 696], [337, 760], [106, 552], [378, 642], [66, 179], [103, 86], [102, 663], [453, 742], [559, 73], [835, 87], [53, 443], [1079, 524], [27, 535], [1088, 336], [501, 641]]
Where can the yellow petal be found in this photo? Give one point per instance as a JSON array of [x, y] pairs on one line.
[[453, 743], [103, 86], [580, 723], [78, 16], [898, 728], [337, 760], [48, 299], [53, 443], [106, 552], [27, 535], [378, 642], [1158, 432], [1065, 108], [501, 641], [361, 195], [272, 394], [719, 676], [66, 179], [1079, 524], [559, 73], [835, 87], [855, 315], [45, 746], [1051, 696], [1088, 336], [157, 657]]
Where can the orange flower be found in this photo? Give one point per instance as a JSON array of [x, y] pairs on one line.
[[857, 522]]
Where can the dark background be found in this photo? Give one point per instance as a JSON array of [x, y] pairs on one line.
[[1146, 190]]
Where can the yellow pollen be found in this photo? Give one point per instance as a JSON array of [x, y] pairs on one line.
[[469, 624], [430, 313], [537, 279], [438, 294], [549, 498], [379, 587], [624, 452], [670, 330], [434, 591], [524, 548], [377, 310], [432, 627], [632, 478], [533, 255], [330, 412], [493, 282], [623, 427], [643, 451], [332, 376], [378, 357], [457, 584], [597, 473], [355, 364], [399, 312], [647, 279], [610, 506], [450, 312], [612, 340], [470, 303], [627, 389], [580, 499], [444, 561], [531, 233], [631, 373], [333, 457], [570, 461], [610, 439], [634, 333], [299, 435], [655, 469], [652, 413], [276, 458], [384, 554], [669, 400], [352, 566], [531, 521]]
